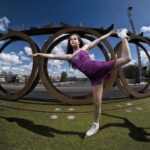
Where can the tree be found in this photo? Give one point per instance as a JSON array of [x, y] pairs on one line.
[[4, 73], [10, 73], [63, 76], [131, 71]]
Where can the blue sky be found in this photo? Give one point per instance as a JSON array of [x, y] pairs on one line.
[[92, 13]]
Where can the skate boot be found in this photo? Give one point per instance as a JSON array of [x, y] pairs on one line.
[[122, 33], [93, 130]]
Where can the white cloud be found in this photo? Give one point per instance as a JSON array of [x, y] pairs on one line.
[[144, 57], [21, 69], [20, 53], [146, 30], [60, 48], [5, 68], [27, 66], [71, 70], [78, 74], [24, 58], [9, 58], [55, 62], [4, 22], [28, 50], [10, 62], [55, 65]]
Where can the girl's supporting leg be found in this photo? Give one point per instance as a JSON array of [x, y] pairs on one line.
[[97, 94]]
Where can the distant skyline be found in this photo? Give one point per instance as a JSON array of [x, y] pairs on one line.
[[91, 13]]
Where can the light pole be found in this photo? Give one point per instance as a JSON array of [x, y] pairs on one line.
[[137, 48]]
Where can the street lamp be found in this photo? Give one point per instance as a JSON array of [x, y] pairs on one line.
[[137, 48]]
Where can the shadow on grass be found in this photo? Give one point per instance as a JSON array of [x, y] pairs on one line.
[[136, 133], [40, 129]]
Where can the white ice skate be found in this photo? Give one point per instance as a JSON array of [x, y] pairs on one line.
[[122, 33], [93, 130]]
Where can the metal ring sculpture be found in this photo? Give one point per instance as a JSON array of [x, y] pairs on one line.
[[39, 70], [44, 75], [34, 78], [141, 93]]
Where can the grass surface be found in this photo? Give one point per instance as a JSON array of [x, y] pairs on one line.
[[126, 128]]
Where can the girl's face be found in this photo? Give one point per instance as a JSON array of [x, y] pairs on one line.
[[74, 41]]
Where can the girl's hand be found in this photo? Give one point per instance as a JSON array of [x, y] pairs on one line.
[[114, 31], [33, 55]]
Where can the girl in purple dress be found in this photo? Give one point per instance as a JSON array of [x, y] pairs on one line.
[[96, 71]]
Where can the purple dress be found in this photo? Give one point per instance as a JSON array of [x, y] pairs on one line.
[[96, 71]]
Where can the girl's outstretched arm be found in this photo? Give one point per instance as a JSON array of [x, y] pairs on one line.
[[95, 42], [52, 56]]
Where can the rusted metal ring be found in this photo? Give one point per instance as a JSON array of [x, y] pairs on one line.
[[140, 94], [44, 75], [34, 77], [42, 64]]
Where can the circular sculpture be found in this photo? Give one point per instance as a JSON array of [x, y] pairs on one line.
[[39, 70], [136, 40], [12, 37], [43, 68]]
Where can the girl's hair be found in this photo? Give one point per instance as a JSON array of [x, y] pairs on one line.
[[69, 47]]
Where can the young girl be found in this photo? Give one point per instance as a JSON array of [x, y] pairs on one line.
[[96, 71]]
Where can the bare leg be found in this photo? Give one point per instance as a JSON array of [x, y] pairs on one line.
[[125, 53], [97, 94]]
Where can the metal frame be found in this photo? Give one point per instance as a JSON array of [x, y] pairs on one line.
[[39, 70]]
